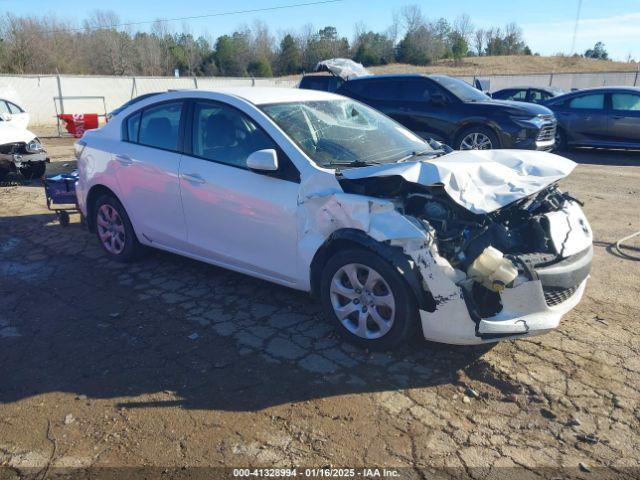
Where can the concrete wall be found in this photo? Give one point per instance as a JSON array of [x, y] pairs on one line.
[[36, 92]]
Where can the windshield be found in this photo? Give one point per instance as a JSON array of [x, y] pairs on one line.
[[345, 133], [460, 89]]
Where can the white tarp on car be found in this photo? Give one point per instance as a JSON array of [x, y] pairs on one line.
[[343, 68], [480, 181]]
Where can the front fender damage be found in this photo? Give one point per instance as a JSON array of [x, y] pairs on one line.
[[325, 211]]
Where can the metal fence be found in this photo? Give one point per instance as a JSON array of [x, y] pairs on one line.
[[37, 93]]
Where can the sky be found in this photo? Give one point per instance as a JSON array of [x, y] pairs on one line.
[[548, 25]]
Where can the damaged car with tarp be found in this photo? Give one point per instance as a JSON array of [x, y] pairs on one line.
[[396, 236]]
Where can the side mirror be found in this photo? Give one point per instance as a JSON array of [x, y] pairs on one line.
[[5, 117], [263, 160]]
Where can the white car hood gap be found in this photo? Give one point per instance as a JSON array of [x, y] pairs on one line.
[[480, 181]]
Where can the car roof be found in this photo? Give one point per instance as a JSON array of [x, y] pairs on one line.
[[587, 91], [531, 87], [394, 75], [606, 89], [261, 95]]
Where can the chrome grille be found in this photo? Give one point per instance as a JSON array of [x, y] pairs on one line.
[[555, 296], [547, 133]]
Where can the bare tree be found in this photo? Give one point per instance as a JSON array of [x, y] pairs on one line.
[[412, 18], [479, 40], [462, 26]]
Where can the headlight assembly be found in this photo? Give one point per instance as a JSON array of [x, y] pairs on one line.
[[34, 146]]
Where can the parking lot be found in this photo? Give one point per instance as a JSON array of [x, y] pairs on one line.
[[170, 363]]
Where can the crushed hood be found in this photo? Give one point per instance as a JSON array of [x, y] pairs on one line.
[[480, 181], [13, 133]]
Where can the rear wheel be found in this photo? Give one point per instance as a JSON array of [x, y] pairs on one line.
[[33, 170], [368, 300], [477, 138], [114, 230]]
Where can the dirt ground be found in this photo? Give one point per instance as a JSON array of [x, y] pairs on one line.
[[171, 363]]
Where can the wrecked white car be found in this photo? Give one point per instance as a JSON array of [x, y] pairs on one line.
[[21, 151], [323, 194]]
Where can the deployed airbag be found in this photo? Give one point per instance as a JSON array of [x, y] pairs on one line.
[[480, 181]]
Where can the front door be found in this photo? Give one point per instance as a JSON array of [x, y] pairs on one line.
[[237, 217]]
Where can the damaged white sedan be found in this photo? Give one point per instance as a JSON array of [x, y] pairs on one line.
[[323, 194], [21, 151]]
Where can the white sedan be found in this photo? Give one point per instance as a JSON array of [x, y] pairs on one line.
[[321, 193], [13, 113]]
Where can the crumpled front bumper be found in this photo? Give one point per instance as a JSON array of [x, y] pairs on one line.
[[18, 160], [525, 312]]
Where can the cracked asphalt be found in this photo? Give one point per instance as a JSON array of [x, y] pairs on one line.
[[173, 363]]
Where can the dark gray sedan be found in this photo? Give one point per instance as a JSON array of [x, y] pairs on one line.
[[598, 117], [527, 94]]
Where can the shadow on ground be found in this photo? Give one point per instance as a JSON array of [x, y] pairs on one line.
[[168, 331], [599, 156]]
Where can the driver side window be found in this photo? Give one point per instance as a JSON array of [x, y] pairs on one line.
[[225, 135]]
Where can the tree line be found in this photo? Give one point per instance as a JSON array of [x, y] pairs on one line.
[[40, 45]]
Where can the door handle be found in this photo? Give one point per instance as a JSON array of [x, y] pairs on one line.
[[618, 117], [123, 159], [193, 178]]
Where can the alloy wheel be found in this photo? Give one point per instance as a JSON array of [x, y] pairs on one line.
[[362, 301], [476, 141], [110, 229]]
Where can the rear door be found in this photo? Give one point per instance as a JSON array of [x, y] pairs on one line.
[[416, 109], [381, 93], [146, 168], [237, 217], [624, 118], [585, 118]]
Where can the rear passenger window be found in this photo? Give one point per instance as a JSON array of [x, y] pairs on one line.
[[518, 95], [14, 108], [375, 90], [588, 102], [133, 126], [413, 91], [159, 126]]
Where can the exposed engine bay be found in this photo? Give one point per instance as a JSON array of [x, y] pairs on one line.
[[489, 250]]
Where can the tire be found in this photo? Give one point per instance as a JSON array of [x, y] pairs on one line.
[[34, 170], [114, 230], [561, 140], [363, 306], [478, 132], [4, 171]]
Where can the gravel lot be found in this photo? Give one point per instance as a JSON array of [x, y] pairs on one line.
[[172, 363]]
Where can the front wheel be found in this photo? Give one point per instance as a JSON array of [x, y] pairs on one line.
[[368, 300], [33, 170], [477, 138], [561, 140], [114, 230]]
